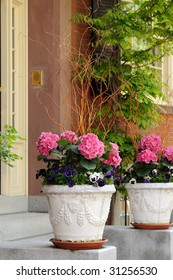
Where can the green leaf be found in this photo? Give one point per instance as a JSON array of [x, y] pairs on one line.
[[55, 152], [74, 148], [166, 163], [40, 157], [143, 172], [63, 142], [88, 164]]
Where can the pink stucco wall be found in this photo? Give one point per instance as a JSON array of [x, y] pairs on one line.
[[43, 30]]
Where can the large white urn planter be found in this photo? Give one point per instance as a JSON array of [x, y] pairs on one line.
[[151, 204], [78, 214]]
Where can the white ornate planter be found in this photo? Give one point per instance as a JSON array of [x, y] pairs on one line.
[[78, 213], [151, 204]]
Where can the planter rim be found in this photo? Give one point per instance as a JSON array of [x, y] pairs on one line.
[[150, 185], [77, 189]]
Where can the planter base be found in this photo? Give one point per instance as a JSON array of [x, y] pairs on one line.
[[151, 226], [78, 245]]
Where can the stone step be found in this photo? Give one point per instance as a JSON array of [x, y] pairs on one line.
[[24, 225], [40, 248], [138, 244]]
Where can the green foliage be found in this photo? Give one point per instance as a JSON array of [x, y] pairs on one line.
[[7, 141], [129, 40], [88, 164]]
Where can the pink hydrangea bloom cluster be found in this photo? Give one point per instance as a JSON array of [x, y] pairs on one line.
[[168, 153], [151, 142], [90, 146], [151, 146], [69, 135], [113, 159], [146, 156], [46, 142], [114, 146]]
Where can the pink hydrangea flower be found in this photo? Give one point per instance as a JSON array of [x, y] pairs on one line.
[[114, 159], [90, 146], [146, 156], [69, 135], [168, 153], [151, 142], [46, 142], [114, 146]]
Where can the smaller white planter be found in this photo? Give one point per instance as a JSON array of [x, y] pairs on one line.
[[78, 213], [151, 204]]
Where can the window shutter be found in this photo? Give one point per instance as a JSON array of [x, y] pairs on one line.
[[106, 53], [100, 7]]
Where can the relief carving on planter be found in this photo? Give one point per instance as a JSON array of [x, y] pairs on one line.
[[81, 210], [149, 200]]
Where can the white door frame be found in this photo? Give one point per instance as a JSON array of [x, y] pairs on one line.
[[14, 94]]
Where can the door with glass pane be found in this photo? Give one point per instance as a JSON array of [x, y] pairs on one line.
[[14, 90]]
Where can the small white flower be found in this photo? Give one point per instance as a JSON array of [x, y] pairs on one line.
[[147, 178], [132, 181], [94, 177], [88, 173], [171, 171], [154, 171]]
